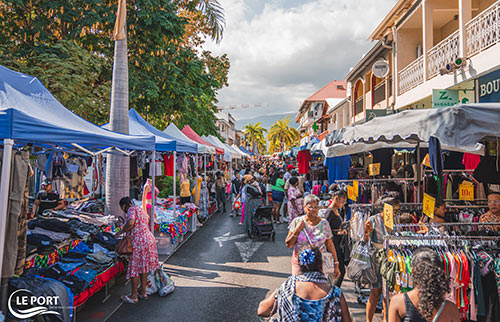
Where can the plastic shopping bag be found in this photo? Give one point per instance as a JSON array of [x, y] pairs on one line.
[[164, 283], [151, 288], [363, 267]]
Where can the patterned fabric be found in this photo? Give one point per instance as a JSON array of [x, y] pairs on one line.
[[144, 257], [287, 311], [318, 235], [294, 195], [490, 217]]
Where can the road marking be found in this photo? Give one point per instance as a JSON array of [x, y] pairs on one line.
[[247, 249], [226, 237]]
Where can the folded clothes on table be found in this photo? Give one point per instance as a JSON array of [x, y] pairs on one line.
[[55, 236], [38, 240], [49, 224]]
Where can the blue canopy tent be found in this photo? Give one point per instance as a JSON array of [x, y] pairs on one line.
[[163, 141], [242, 148], [29, 113]]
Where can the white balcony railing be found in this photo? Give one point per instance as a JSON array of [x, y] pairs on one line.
[[445, 52], [411, 76], [484, 30]]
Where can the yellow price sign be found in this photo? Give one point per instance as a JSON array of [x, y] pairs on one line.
[[389, 216], [429, 204], [427, 161], [350, 193], [466, 192], [374, 169], [355, 185]]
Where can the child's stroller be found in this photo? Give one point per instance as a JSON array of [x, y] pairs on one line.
[[262, 223]]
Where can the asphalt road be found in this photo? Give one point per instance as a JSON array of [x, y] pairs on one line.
[[220, 275]]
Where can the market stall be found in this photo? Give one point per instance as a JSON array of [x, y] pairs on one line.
[[31, 117]]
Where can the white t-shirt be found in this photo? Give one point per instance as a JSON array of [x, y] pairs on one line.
[[287, 176]]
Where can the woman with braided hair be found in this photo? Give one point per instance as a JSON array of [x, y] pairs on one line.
[[308, 296], [426, 302]]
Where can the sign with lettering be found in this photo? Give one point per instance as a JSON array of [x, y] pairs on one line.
[[466, 192], [374, 169], [429, 204], [427, 161], [444, 97], [380, 68], [355, 185], [488, 87], [389, 216], [350, 193]]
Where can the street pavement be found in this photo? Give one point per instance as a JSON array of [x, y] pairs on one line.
[[219, 274]]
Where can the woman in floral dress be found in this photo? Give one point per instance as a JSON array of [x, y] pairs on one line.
[[144, 257], [295, 200]]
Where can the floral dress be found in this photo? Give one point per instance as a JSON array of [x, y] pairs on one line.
[[294, 195], [144, 257]]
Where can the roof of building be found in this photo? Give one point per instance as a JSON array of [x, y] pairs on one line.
[[334, 89], [391, 18]]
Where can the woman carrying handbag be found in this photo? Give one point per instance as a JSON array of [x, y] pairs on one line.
[[144, 256]]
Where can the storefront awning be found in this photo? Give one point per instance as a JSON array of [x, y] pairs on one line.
[[459, 128]]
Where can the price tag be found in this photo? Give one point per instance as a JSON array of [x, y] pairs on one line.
[[355, 185], [429, 203], [374, 169], [350, 193], [389, 216], [466, 192], [427, 161]]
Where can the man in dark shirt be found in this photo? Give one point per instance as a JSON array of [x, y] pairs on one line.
[[334, 218], [46, 199]]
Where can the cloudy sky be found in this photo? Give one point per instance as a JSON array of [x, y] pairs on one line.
[[282, 51]]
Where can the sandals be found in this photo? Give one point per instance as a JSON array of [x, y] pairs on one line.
[[128, 300], [141, 297]]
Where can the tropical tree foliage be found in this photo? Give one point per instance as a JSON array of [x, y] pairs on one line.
[[255, 136], [68, 45], [282, 136]]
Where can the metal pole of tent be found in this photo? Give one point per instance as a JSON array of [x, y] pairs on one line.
[[4, 200], [175, 182], [419, 174], [153, 194], [195, 199], [92, 176]]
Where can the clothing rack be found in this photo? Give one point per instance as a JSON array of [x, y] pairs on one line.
[[370, 205], [466, 206], [389, 238], [447, 224], [376, 180]]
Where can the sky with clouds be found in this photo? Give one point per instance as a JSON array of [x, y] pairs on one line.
[[282, 51]]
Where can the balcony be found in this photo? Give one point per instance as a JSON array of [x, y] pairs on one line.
[[483, 31], [445, 52], [411, 76], [358, 106], [480, 34]]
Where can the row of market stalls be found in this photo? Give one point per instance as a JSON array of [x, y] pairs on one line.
[[435, 156], [39, 135]]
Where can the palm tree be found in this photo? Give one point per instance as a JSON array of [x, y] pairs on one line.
[[282, 136], [213, 13], [118, 166], [255, 136]]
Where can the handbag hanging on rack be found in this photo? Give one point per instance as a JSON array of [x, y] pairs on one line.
[[327, 257]]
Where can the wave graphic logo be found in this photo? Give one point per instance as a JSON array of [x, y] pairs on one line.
[[37, 304]]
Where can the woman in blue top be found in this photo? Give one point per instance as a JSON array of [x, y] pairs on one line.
[[308, 296], [278, 194]]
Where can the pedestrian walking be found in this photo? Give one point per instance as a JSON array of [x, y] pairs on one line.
[[220, 191], [295, 199], [310, 229], [278, 194], [235, 192]]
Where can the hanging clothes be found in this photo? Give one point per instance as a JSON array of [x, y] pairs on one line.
[[471, 161], [303, 159], [436, 155], [338, 168], [168, 164], [384, 157]]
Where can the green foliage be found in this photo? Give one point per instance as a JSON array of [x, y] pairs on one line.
[[281, 136], [166, 186], [255, 136], [68, 45]]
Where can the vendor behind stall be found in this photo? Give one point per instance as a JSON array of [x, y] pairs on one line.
[[493, 215], [47, 199]]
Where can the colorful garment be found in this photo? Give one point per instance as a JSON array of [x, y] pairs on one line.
[[490, 217], [203, 200], [295, 196], [144, 257]]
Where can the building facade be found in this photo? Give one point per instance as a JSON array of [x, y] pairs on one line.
[[444, 50], [313, 114], [226, 124]]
